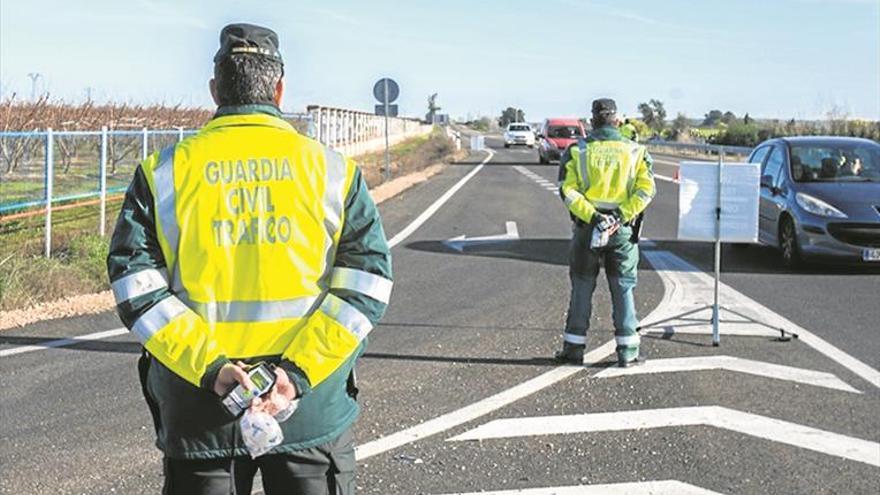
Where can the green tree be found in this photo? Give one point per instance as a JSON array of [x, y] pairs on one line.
[[712, 118], [728, 117], [679, 127], [653, 114], [511, 114]]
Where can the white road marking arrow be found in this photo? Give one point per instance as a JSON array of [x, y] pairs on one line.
[[460, 242], [665, 487], [729, 363], [776, 430]]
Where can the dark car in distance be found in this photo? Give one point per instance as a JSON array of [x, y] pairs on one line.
[[820, 198]]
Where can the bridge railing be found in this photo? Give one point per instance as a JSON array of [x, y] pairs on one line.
[[353, 132], [697, 150]]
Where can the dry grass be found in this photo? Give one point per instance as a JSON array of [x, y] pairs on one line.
[[407, 157]]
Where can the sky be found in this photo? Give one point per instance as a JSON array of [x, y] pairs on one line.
[[770, 58]]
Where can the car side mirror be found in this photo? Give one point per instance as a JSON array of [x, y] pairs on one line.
[[766, 181]]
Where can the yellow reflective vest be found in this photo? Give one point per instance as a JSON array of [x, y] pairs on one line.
[[607, 173], [248, 215]]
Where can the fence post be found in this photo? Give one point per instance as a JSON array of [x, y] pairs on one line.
[[179, 134], [103, 179], [145, 145], [50, 172]]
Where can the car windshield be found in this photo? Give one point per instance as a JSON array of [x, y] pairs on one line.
[[565, 132], [519, 128], [847, 162]]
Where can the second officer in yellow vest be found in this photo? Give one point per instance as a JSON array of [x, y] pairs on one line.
[[250, 242], [608, 183]]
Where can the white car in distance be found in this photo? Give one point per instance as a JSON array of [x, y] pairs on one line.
[[519, 133]]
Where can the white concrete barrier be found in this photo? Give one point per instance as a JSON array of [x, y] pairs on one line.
[[353, 132]]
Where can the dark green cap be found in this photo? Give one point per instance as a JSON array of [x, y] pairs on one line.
[[604, 107], [247, 38]]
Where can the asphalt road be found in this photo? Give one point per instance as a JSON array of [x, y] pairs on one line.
[[459, 368]]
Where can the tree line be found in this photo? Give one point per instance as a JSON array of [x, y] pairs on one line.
[[726, 128]]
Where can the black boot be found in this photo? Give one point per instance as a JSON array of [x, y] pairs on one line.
[[628, 364], [570, 353]]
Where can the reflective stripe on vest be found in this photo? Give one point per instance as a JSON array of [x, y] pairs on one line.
[[368, 284], [157, 317], [253, 311], [605, 205], [139, 283], [334, 197], [627, 340], [166, 202], [346, 315], [585, 175], [571, 197]]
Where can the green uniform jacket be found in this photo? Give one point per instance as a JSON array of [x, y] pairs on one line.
[[190, 421]]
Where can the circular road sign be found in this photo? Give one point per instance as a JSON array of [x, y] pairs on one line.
[[379, 90]]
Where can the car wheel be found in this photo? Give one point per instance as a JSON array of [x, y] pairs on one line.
[[788, 244], [506, 145]]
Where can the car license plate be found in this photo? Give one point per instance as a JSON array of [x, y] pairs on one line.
[[871, 254]]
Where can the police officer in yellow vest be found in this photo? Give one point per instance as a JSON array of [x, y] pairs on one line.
[[628, 130], [608, 183], [250, 242]]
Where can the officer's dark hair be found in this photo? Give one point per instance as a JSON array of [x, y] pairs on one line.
[[604, 119], [247, 79]]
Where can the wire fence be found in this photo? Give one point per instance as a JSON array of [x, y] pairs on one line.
[[45, 170]]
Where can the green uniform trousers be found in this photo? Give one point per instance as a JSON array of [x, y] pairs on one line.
[[621, 258], [327, 469]]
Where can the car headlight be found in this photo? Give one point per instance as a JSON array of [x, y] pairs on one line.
[[817, 207]]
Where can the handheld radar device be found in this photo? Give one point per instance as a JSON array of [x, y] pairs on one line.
[[239, 399]]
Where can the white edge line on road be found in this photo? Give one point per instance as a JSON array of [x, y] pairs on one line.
[[776, 430], [106, 334], [479, 408], [431, 210], [664, 487]]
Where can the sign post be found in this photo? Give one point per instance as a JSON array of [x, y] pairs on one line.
[[718, 202], [386, 91]]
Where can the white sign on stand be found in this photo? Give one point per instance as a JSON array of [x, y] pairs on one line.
[[718, 202], [698, 201]]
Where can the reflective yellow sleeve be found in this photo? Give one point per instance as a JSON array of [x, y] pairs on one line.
[[329, 336], [643, 190], [576, 202], [180, 340]]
